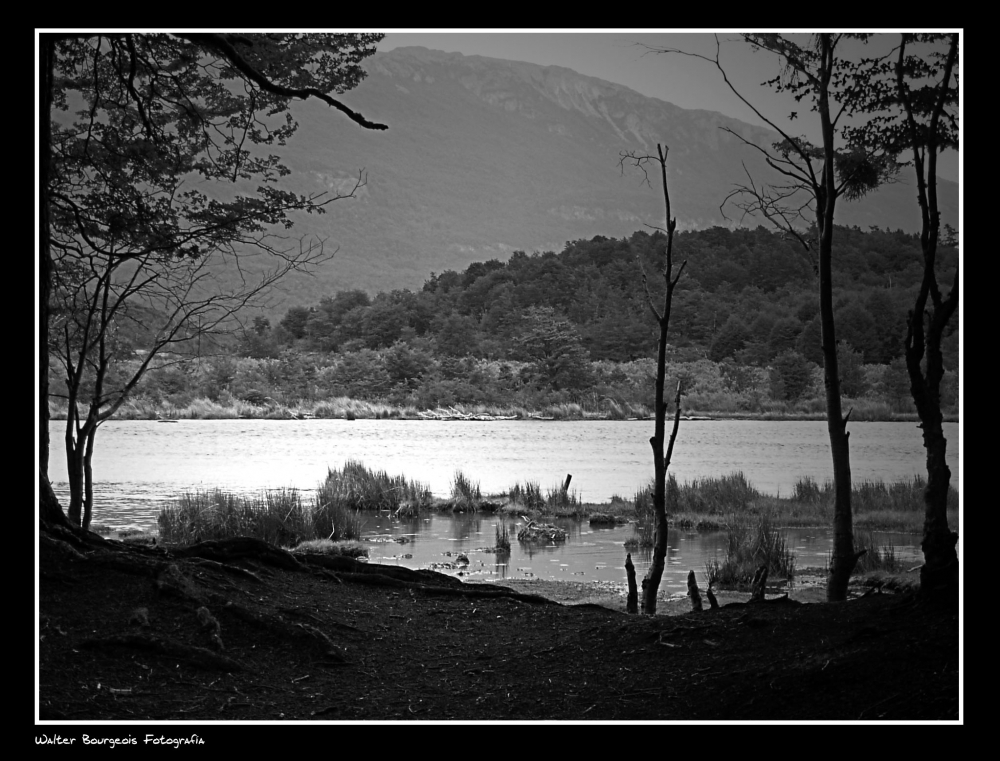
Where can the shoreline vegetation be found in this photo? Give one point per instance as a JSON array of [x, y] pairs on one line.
[[333, 520], [345, 408]]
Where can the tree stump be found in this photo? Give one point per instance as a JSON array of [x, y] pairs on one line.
[[758, 584], [693, 592], [712, 602], [632, 604]]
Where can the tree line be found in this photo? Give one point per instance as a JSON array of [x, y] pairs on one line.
[[584, 303]]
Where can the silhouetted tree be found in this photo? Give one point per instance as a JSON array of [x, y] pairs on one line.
[[913, 101], [125, 235], [813, 177], [661, 458]]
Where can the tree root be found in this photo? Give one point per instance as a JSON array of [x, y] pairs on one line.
[[295, 630], [241, 547], [198, 656], [233, 569]]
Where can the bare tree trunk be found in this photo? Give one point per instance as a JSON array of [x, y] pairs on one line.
[[47, 65], [693, 592], [74, 467], [661, 461], [925, 328], [651, 582], [49, 510], [843, 561], [88, 479], [632, 603]]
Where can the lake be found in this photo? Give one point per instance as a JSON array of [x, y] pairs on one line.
[[141, 465]]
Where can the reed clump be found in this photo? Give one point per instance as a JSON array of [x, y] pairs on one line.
[[527, 496], [560, 501], [465, 495], [644, 513], [502, 538], [713, 496], [276, 516], [878, 556], [752, 540], [349, 491]]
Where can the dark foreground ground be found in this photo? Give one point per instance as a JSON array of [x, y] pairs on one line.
[[238, 631]]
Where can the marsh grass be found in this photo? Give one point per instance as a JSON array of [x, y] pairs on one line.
[[806, 490], [465, 495], [349, 491], [879, 557], [527, 495], [502, 537], [876, 505], [711, 495], [644, 528], [276, 516], [361, 488], [753, 539], [561, 501]]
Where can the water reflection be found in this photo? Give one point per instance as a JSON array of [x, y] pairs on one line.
[[588, 554]]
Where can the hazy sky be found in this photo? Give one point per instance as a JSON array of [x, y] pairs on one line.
[[621, 56]]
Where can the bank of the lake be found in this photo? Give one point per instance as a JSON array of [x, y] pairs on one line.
[[275, 640], [344, 408]]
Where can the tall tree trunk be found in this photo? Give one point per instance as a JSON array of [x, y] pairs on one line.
[[49, 510], [88, 479], [651, 582], [926, 327], [661, 461], [47, 65], [844, 559], [74, 467], [940, 570]]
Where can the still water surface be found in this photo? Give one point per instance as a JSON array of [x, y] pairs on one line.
[[140, 466], [590, 554]]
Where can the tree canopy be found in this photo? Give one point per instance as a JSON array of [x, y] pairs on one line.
[[157, 171]]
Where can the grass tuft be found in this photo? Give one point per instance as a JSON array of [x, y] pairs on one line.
[[879, 557], [465, 495], [276, 516], [752, 540], [527, 496], [502, 537]]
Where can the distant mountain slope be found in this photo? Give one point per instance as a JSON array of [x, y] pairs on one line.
[[486, 156]]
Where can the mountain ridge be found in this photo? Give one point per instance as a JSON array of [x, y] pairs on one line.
[[485, 156]]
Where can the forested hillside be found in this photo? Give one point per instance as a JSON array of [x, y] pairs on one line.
[[546, 330], [485, 156]]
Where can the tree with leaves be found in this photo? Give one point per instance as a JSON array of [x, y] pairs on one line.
[[156, 177], [912, 99], [661, 458], [813, 178]]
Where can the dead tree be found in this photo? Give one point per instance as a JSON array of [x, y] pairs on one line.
[[661, 460], [813, 177]]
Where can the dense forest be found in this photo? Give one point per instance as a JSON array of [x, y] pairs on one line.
[[571, 332]]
